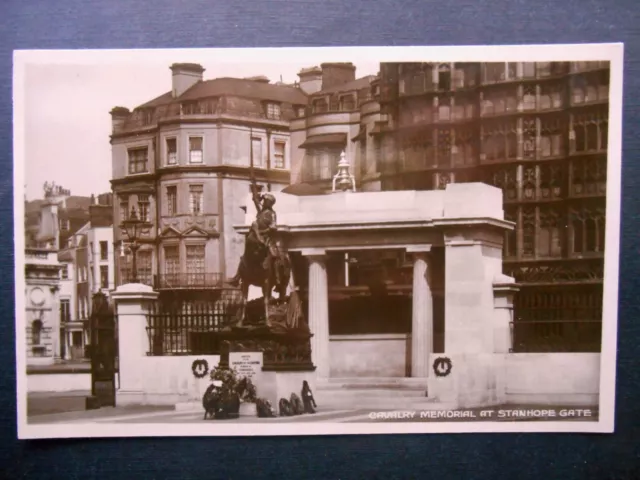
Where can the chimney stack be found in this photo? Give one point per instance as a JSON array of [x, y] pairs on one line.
[[334, 74], [185, 76], [118, 116], [55, 197], [310, 80]]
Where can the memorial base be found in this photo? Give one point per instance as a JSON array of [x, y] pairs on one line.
[[473, 380], [273, 386]]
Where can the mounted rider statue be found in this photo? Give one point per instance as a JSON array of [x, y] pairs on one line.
[[261, 242], [264, 263]]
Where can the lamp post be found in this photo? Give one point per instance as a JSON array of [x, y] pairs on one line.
[[134, 227]]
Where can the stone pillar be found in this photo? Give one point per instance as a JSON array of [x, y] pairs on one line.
[[422, 313], [131, 302], [68, 341], [56, 325], [318, 311], [504, 289], [468, 298]]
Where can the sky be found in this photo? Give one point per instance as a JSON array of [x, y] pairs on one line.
[[66, 109]]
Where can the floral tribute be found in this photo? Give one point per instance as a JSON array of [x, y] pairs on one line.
[[227, 390]]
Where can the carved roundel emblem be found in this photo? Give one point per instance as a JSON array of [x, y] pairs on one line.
[[37, 297], [442, 366], [200, 368]]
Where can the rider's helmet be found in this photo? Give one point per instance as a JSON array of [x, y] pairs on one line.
[[268, 199]]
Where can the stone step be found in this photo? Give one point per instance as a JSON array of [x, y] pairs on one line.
[[380, 403], [373, 383], [371, 392], [371, 386]]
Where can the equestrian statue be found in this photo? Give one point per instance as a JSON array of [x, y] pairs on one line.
[[265, 263]]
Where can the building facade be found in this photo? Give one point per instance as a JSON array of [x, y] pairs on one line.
[[65, 236], [68, 302], [43, 277], [341, 109], [93, 253], [42, 273], [536, 130], [183, 162]]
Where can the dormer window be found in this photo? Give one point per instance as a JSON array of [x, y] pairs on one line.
[[301, 111], [347, 103], [320, 105], [189, 108], [273, 111], [147, 116]]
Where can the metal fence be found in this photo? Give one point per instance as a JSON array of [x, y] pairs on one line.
[[209, 327], [188, 280], [190, 328], [556, 336]]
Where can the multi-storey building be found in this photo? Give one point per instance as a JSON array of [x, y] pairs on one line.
[[92, 250], [58, 231], [183, 161], [340, 109], [68, 302], [42, 275], [536, 130]]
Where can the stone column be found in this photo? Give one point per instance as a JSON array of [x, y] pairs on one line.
[[132, 301], [422, 313], [68, 337], [318, 311], [504, 289]]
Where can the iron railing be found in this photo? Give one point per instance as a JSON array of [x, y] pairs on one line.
[[188, 280], [556, 336], [208, 328], [142, 277], [191, 328]]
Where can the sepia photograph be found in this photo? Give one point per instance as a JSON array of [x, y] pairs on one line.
[[304, 241]]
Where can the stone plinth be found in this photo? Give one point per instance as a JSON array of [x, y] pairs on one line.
[[475, 380], [132, 302], [504, 289]]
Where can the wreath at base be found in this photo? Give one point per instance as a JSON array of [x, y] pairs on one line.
[[442, 366], [200, 368]]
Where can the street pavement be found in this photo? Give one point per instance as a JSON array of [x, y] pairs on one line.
[[168, 415]]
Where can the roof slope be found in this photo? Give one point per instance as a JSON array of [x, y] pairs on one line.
[[238, 87], [357, 84]]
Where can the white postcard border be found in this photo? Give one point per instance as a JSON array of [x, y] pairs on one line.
[[612, 52]]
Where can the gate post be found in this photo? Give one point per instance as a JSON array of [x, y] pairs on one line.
[[132, 303], [504, 289]]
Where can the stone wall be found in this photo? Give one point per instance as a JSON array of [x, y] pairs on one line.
[[166, 380], [58, 382], [369, 355], [552, 378]]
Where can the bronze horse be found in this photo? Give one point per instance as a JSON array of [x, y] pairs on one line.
[[268, 273]]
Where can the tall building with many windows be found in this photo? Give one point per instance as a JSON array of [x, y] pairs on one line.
[[183, 161], [538, 131], [87, 261]]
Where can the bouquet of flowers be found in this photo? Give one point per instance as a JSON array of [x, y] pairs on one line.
[[246, 390]]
